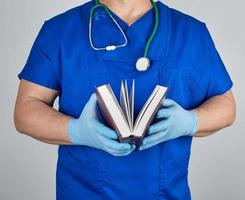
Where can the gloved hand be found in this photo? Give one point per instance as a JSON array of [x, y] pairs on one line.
[[87, 130], [175, 122]]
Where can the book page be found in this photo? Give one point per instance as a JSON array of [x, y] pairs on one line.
[[149, 111], [112, 110], [128, 107], [132, 103], [142, 111], [123, 103]]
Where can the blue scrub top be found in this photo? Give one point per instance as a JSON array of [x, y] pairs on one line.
[[183, 57]]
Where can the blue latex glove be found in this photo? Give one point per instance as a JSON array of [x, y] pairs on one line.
[[175, 122], [87, 130]]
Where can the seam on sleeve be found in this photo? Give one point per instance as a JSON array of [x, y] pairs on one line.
[[56, 69], [207, 49]]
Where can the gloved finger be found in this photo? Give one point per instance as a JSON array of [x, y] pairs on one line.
[[92, 103], [115, 145], [168, 103], [153, 139], [127, 153], [159, 126], [164, 113], [118, 153], [103, 130], [121, 153], [143, 147]]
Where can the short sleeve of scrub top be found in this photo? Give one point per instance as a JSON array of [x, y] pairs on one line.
[[219, 79], [42, 64]]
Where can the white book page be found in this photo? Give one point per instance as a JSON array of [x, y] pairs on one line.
[[123, 102], [128, 107], [153, 104], [115, 110], [142, 111], [132, 104]]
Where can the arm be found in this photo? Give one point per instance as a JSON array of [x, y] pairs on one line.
[[35, 116], [216, 113]]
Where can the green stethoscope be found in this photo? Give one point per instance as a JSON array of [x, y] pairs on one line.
[[143, 63]]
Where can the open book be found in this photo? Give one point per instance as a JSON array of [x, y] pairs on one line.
[[120, 115]]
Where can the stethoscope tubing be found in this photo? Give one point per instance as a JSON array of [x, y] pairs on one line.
[[113, 19], [142, 63]]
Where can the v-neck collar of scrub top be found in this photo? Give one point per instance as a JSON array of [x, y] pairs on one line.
[[137, 34]]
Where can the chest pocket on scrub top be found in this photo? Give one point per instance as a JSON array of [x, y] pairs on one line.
[[182, 80]]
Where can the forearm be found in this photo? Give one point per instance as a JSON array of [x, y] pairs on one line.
[[40, 121], [216, 113]]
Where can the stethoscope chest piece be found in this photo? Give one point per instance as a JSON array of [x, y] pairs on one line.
[[143, 64]]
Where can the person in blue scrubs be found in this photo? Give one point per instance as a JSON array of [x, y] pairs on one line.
[[92, 164]]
